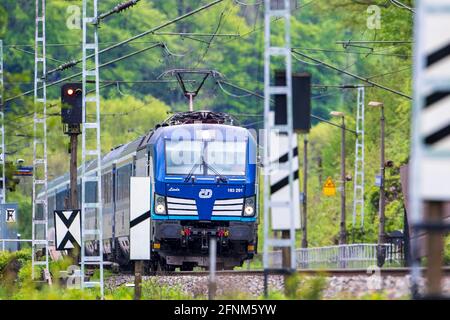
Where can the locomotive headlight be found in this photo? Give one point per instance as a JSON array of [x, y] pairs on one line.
[[160, 209], [160, 204], [249, 206]]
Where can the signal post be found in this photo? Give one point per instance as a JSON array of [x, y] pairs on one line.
[[71, 116], [73, 132], [279, 179]]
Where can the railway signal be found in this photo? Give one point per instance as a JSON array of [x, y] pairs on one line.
[[71, 104], [301, 113], [301, 101], [71, 117]]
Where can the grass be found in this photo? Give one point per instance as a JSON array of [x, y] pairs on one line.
[[16, 284]]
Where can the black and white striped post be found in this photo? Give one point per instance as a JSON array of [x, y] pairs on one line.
[[140, 237], [430, 157]]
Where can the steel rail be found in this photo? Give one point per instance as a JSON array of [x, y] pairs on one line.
[[399, 271]]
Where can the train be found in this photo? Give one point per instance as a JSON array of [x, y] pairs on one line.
[[204, 182]]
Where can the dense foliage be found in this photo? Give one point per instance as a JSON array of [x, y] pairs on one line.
[[130, 106]]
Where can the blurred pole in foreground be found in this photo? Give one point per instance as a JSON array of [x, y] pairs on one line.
[[212, 286]]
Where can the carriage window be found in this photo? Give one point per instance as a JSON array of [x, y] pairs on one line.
[[106, 185], [60, 196], [91, 191], [181, 156], [123, 182]]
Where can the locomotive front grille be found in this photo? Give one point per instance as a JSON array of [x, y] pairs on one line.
[[180, 206], [228, 207]]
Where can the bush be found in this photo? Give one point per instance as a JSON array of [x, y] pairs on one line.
[[301, 288], [312, 288], [120, 293], [447, 250], [152, 290]]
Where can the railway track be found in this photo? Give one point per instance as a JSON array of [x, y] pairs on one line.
[[349, 283], [313, 272]]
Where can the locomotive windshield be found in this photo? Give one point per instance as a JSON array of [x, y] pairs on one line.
[[197, 157]]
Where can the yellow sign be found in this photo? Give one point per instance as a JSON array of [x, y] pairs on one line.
[[329, 188]]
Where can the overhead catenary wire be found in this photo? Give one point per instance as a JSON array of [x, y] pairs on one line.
[[348, 86], [72, 44], [372, 53], [305, 62], [117, 44], [274, 20], [242, 89], [262, 97], [333, 124], [216, 31], [195, 34], [120, 81], [32, 53], [170, 53], [326, 95], [392, 42], [117, 9], [149, 31], [144, 81], [107, 83], [224, 82], [253, 123], [29, 114], [324, 64], [257, 3], [389, 73], [231, 94], [80, 73], [401, 5]]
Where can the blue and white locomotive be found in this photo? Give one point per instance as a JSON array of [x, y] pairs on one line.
[[204, 183]]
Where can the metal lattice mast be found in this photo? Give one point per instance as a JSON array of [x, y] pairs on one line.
[[358, 192], [40, 217], [2, 132], [270, 51], [91, 148]]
